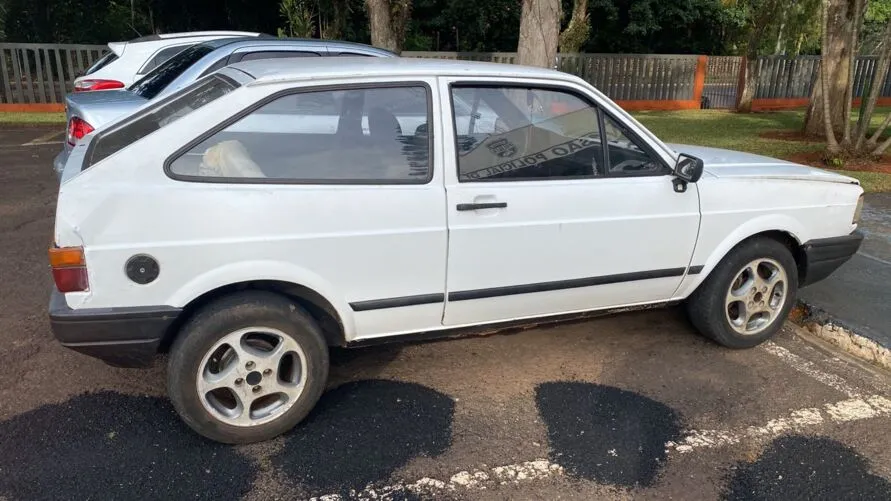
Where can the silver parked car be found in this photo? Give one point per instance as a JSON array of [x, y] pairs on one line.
[[88, 111]]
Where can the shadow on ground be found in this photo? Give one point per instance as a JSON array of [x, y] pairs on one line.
[[112, 446], [606, 434], [361, 432], [812, 468]]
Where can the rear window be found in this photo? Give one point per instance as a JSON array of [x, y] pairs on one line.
[[165, 112], [159, 78], [102, 62], [161, 57]]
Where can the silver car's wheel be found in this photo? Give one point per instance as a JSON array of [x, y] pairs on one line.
[[247, 367], [756, 296], [251, 376]]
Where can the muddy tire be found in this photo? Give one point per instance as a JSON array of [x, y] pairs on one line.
[[247, 367]]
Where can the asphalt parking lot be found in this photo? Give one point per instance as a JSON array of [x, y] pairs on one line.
[[629, 406]]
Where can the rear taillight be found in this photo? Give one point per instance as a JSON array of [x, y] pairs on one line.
[[77, 129], [69, 269], [97, 84]]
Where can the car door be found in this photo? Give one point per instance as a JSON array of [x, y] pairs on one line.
[[554, 206]]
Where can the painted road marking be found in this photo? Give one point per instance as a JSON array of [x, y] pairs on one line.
[[45, 139], [809, 368], [845, 411], [468, 480]]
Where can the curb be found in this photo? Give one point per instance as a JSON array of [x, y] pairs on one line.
[[821, 325]]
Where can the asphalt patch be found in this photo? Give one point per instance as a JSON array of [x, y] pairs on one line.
[[606, 434], [112, 446], [361, 432], [803, 467]]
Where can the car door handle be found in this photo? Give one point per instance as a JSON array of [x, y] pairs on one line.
[[486, 205]]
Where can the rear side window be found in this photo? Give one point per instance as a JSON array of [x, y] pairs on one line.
[[165, 112], [159, 78], [102, 62], [161, 57], [355, 135]]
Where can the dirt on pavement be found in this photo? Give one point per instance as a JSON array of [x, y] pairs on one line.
[[630, 406]]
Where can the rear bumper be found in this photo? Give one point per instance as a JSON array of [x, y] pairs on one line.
[[823, 256], [122, 337]]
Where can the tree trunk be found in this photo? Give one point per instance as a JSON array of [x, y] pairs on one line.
[[539, 33], [875, 87], [387, 20], [749, 81], [849, 88], [835, 62], [334, 28], [576, 33], [828, 131], [781, 43]]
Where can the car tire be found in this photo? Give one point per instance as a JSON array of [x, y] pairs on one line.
[[738, 306], [266, 354]]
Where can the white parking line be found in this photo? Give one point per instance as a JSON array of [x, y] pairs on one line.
[[809, 368], [854, 409], [845, 411], [45, 139], [467, 480]]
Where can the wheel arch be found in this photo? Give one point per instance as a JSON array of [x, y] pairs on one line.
[[330, 311], [783, 229]]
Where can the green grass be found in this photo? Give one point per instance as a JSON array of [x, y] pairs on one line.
[[31, 118], [871, 181], [742, 132]]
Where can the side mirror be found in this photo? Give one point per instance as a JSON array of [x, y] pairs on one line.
[[688, 168]]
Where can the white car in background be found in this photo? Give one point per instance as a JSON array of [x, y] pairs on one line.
[[127, 62], [274, 208]]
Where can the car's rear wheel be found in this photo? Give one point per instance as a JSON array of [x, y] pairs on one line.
[[247, 368], [745, 300]]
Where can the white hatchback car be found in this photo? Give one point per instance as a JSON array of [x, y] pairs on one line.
[[127, 62], [278, 207]]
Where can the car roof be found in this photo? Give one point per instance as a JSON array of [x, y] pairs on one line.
[[334, 45], [293, 69], [193, 34]]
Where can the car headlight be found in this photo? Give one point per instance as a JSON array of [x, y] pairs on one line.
[[858, 210]]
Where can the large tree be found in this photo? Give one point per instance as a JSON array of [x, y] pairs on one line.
[[388, 20], [539, 33], [841, 20], [576, 33], [835, 86], [760, 16]]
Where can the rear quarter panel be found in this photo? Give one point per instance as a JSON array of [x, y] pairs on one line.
[[207, 235]]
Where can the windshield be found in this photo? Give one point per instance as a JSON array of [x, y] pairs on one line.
[[161, 114], [160, 77]]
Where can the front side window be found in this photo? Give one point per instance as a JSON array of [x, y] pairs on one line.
[[155, 117], [512, 133], [351, 135]]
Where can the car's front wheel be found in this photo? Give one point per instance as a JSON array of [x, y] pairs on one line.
[[746, 298], [247, 368]]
